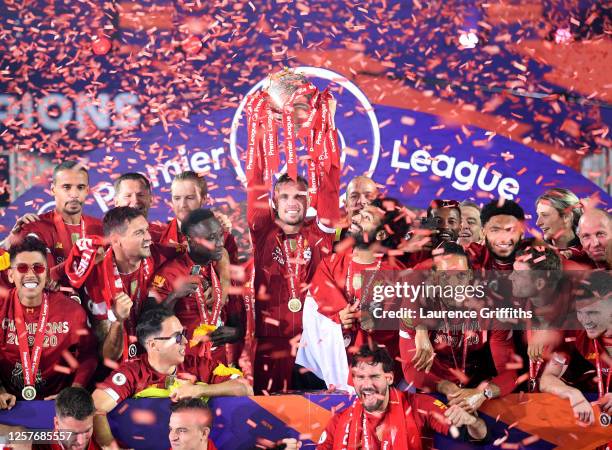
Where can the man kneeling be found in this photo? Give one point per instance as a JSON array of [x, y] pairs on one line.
[[164, 366], [384, 417]]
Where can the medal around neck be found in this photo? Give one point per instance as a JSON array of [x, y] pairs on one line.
[[28, 393], [295, 305]]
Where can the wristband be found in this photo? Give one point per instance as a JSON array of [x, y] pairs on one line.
[[111, 316]]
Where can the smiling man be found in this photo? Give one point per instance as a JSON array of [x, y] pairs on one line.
[[40, 332], [117, 279], [384, 417], [471, 226], [503, 222], [595, 233], [593, 343], [163, 366]]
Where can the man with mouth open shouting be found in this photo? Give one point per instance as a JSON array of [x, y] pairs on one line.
[[116, 280], [40, 332], [383, 417]]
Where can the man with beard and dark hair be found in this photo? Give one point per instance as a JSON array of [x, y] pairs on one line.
[[60, 228], [586, 360], [116, 279], [336, 291], [466, 359], [384, 417], [192, 286], [503, 222]]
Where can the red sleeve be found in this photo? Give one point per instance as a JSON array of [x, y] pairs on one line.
[[326, 440], [231, 247], [259, 213], [428, 413], [502, 350], [419, 379], [163, 253], [121, 383], [87, 349], [328, 208], [325, 290]]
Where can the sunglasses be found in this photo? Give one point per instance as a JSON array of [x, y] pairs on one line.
[[24, 268], [178, 336]]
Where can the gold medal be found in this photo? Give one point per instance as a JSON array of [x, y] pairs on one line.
[[357, 282], [28, 393], [295, 305]]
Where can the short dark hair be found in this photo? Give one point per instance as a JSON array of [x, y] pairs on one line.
[[285, 178], [69, 165], [28, 244], [189, 404], [373, 355], [449, 248], [195, 217], [190, 175], [134, 176], [544, 260], [394, 221], [117, 219], [597, 284], [501, 207], [439, 203], [74, 402], [150, 323]]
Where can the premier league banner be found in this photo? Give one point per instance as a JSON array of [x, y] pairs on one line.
[[477, 110]]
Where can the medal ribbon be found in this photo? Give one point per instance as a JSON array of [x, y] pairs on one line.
[[292, 275], [602, 390], [30, 361]]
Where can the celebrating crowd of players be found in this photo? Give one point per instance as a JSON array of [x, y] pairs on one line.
[[122, 307]]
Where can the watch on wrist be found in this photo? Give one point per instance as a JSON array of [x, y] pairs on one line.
[[488, 393]]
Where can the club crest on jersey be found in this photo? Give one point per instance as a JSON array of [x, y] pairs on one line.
[[277, 255], [119, 379], [159, 281]]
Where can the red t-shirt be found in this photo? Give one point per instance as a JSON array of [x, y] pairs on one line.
[[45, 229], [67, 331], [187, 308], [586, 348], [449, 358], [137, 374], [94, 283], [426, 411], [271, 287]]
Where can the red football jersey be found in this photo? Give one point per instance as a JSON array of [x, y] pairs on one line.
[[57, 239], [68, 333], [137, 374]]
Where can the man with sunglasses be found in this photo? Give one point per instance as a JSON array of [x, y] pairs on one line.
[[165, 365], [192, 286], [116, 280], [73, 421], [60, 228], [45, 341]]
